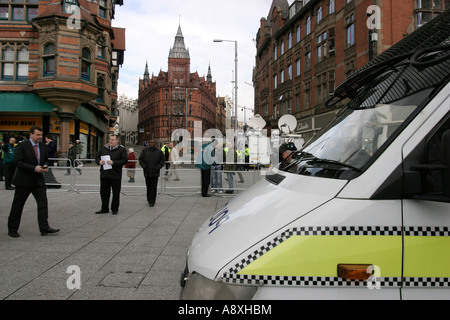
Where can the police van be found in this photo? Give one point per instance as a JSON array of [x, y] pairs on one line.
[[362, 211]]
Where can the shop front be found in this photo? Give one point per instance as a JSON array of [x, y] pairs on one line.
[[20, 111]]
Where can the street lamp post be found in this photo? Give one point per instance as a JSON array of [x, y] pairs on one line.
[[186, 104], [235, 79]]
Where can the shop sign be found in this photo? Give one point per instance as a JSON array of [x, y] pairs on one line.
[[84, 128], [19, 123], [55, 126]]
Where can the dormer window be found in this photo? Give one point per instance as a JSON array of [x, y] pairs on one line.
[[102, 8], [67, 5]]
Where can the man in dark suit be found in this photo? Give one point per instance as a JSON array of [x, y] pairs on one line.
[[31, 159]]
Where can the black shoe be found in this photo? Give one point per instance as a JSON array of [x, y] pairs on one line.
[[115, 212], [101, 211], [151, 204], [13, 234], [49, 231], [9, 188], [206, 195]]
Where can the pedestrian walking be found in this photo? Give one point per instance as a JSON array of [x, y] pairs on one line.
[[174, 160], [78, 149], [9, 164], [131, 165], [31, 159], [112, 157], [152, 161]]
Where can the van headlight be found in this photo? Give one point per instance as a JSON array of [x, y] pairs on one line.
[[197, 287]]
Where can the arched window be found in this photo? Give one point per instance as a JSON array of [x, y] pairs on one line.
[[49, 59], [86, 64], [14, 62], [8, 63], [22, 63]]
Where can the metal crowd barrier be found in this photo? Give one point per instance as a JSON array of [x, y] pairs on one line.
[[83, 176]]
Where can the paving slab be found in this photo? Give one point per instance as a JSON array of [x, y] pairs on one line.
[[135, 255]]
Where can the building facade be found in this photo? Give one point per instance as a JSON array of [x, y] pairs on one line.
[[59, 69], [175, 99], [128, 120], [223, 114], [306, 49]]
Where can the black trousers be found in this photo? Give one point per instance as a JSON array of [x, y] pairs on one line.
[[206, 179], [8, 170], [20, 197], [152, 187], [106, 185]]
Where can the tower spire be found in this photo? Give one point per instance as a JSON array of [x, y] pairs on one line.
[[179, 49], [146, 73], [209, 76]]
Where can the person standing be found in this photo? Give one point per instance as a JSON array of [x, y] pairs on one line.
[[217, 168], [174, 160], [1, 161], [204, 161], [32, 161], [51, 150], [9, 164], [230, 159], [71, 157], [247, 157], [112, 157], [152, 161], [166, 151], [131, 165]]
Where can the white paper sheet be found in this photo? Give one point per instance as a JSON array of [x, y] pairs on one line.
[[106, 166]]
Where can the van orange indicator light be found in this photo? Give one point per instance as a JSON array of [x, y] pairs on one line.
[[354, 271]]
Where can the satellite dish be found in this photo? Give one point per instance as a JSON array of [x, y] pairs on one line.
[[257, 122], [287, 123]]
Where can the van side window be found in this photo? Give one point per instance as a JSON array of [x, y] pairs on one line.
[[435, 173]]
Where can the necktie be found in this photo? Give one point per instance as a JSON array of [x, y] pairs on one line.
[[36, 152]]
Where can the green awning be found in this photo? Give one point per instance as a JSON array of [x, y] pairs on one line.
[[24, 102], [84, 114]]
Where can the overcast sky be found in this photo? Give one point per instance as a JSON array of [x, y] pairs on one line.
[[151, 27]]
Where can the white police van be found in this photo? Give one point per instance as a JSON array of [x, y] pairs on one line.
[[363, 210]]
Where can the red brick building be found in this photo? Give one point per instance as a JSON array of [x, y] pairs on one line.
[[59, 69], [175, 99], [306, 49]]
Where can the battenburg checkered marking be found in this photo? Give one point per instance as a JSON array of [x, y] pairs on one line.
[[233, 276]]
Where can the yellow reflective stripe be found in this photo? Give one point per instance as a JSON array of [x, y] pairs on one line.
[[319, 256], [427, 257]]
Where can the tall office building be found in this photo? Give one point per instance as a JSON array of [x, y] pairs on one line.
[[306, 49]]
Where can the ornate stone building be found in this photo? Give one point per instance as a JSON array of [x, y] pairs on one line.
[[59, 69], [177, 98]]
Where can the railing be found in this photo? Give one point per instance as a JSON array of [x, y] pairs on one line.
[[83, 176]]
